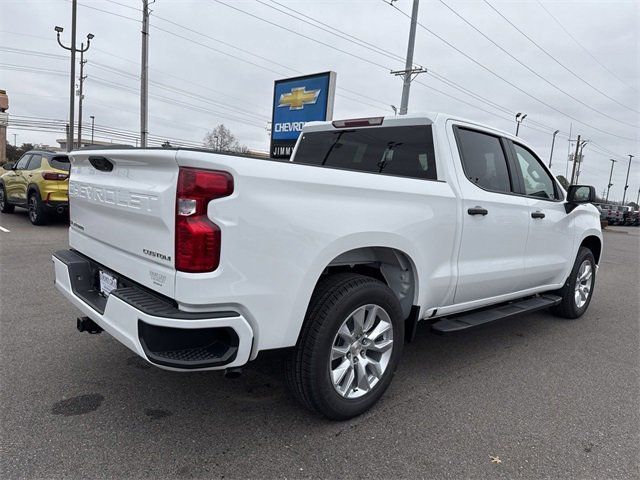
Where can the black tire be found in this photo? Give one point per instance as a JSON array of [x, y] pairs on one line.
[[37, 214], [568, 307], [5, 206], [307, 368]]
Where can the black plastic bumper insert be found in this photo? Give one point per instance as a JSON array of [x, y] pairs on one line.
[[188, 348]]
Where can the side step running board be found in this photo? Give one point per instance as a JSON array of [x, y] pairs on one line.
[[475, 318]]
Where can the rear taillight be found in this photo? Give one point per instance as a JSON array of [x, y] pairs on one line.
[[198, 239], [54, 176]]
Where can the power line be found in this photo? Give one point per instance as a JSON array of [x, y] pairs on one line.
[[484, 67], [108, 12], [528, 68], [579, 77], [583, 47]]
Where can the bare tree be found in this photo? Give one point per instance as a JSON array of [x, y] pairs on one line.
[[221, 139]]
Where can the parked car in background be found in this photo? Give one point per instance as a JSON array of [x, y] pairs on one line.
[[632, 217], [39, 182], [613, 215]]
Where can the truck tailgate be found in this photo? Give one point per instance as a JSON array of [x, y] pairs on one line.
[[122, 212]]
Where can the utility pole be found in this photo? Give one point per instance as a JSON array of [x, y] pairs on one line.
[[519, 118], [580, 158], [575, 159], [80, 94], [93, 119], [638, 198], [409, 73], [72, 76], [626, 182], [15, 139], [610, 175], [552, 143], [144, 76]]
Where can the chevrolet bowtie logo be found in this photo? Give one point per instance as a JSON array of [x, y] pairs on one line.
[[298, 98]]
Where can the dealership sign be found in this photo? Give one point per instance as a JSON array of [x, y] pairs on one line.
[[297, 101]]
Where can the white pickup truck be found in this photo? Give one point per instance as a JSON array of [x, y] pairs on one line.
[[200, 261]]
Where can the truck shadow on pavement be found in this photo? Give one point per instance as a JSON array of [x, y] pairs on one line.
[[259, 393]]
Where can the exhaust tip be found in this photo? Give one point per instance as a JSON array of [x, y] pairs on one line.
[[232, 372]]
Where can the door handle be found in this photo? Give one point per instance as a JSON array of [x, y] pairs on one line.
[[477, 210], [537, 215]]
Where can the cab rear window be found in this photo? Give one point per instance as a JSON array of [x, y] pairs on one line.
[[400, 151], [60, 162]]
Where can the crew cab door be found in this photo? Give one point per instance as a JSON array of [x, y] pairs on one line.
[[549, 250], [495, 222], [15, 183]]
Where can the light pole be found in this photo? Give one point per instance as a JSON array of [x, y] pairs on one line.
[[519, 118], [93, 119], [610, 175], [626, 182], [553, 141], [15, 141], [72, 79], [144, 76]]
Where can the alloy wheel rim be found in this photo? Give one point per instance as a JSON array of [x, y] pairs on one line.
[[583, 283], [361, 351], [32, 208]]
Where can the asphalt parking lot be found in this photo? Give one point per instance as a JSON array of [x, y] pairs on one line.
[[550, 398]]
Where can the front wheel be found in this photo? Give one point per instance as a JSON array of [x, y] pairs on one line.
[[349, 347], [578, 289], [5, 206]]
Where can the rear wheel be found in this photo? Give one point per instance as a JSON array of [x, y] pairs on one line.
[[578, 289], [5, 206], [37, 214], [349, 347]]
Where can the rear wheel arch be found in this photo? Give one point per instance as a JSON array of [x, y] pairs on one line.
[[33, 188], [389, 265]]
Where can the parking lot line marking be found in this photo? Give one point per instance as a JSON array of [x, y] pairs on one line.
[[5, 230]]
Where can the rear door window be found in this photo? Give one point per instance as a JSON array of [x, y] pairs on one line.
[[484, 160], [61, 162], [401, 151], [35, 162]]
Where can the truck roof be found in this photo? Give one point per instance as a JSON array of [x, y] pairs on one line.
[[419, 118]]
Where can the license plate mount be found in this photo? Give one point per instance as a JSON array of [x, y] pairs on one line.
[[108, 283]]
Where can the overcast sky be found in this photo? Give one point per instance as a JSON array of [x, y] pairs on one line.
[[211, 63]]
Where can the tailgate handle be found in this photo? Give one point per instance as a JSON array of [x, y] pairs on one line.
[[101, 163]]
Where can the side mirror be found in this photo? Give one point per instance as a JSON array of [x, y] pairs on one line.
[[578, 194], [8, 166]]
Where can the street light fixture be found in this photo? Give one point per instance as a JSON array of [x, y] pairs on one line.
[[519, 118], [72, 48], [609, 185]]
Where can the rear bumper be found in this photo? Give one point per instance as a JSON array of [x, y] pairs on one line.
[[56, 205], [152, 326]]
